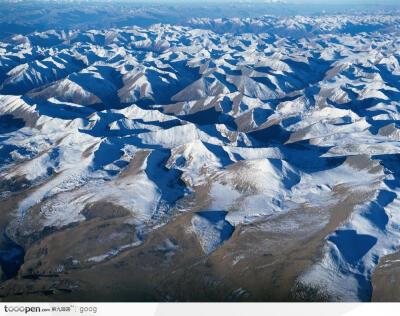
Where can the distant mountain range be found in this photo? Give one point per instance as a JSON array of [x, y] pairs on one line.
[[25, 17]]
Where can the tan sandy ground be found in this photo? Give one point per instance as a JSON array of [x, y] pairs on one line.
[[386, 278]]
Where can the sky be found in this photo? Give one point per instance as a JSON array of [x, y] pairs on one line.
[[281, 1], [257, 1], [320, 2], [267, 2]]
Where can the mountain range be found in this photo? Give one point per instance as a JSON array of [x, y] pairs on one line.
[[234, 159]]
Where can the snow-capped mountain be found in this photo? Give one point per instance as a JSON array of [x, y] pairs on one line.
[[227, 159]]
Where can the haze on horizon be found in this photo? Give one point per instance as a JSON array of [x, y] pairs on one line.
[[273, 2]]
